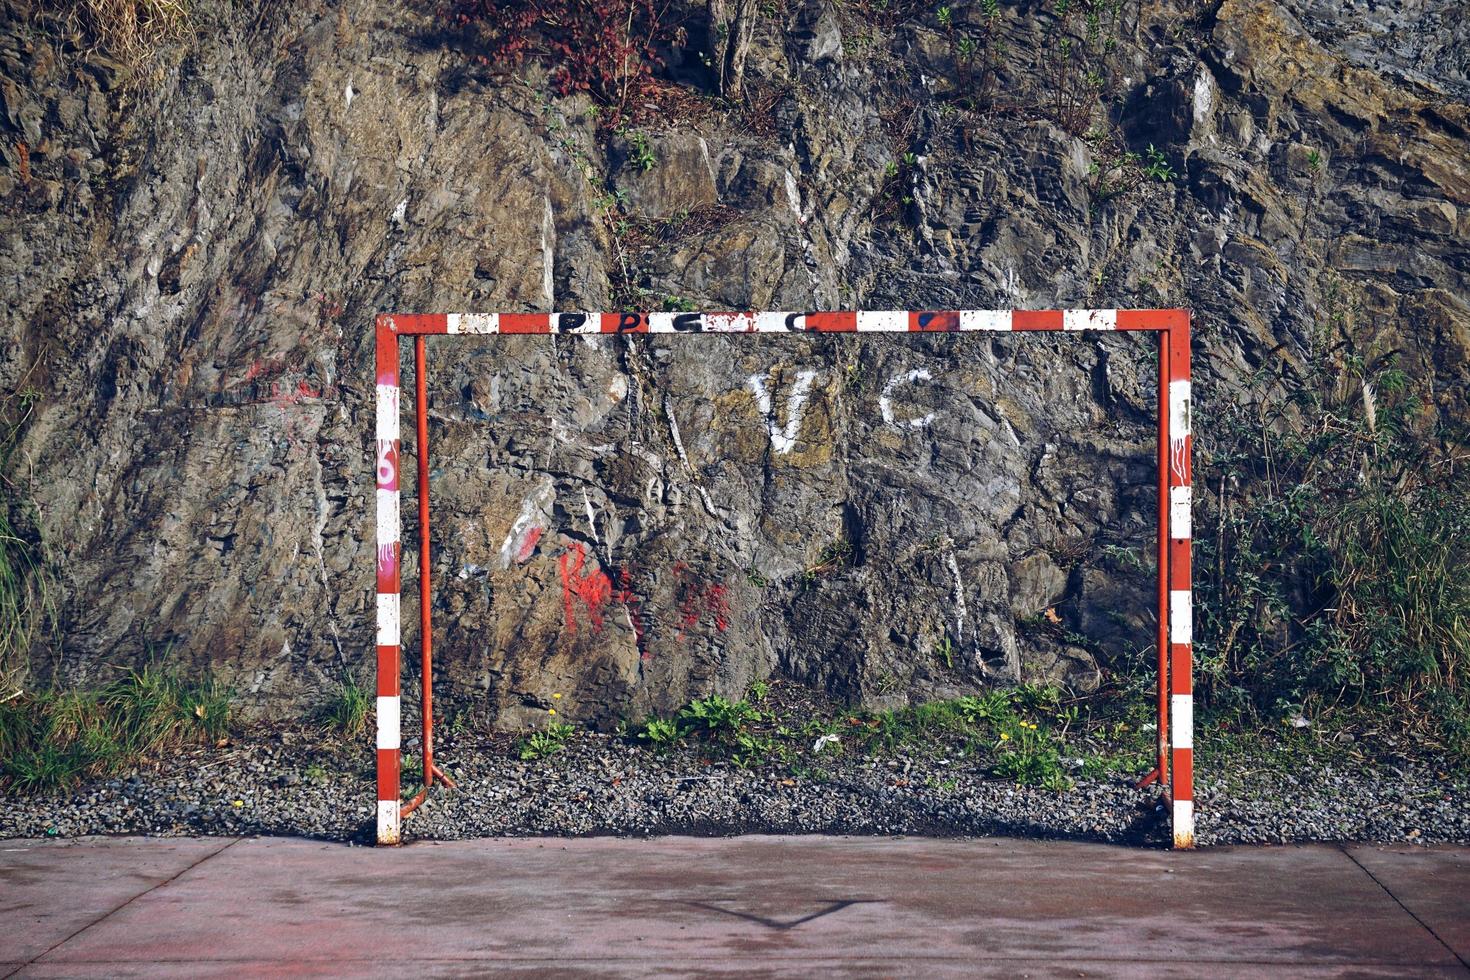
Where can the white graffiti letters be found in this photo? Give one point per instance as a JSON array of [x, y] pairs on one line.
[[783, 438], [784, 432], [885, 400]]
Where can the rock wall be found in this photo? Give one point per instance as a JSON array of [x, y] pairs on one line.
[[192, 270]]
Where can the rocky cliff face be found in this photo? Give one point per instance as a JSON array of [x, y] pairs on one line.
[[192, 270]]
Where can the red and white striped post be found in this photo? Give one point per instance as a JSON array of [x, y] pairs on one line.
[[389, 552], [1181, 604], [1174, 496]]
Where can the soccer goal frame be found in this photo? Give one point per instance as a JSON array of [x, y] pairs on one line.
[[1174, 768]]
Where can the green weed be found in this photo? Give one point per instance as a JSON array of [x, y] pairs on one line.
[[1030, 755], [547, 742], [640, 151], [715, 717]]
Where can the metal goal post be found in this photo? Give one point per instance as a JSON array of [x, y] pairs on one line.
[[1174, 769]]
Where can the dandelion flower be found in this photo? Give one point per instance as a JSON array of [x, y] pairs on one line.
[[1004, 737], [556, 697], [238, 803], [551, 711]]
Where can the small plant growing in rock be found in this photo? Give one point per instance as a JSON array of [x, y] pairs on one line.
[[944, 650], [544, 743], [1156, 166], [1117, 172], [640, 152]]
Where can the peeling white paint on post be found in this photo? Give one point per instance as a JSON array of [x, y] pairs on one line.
[[388, 523], [387, 619], [575, 323], [472, 323], [887, 321], [1184, 824], [388, 821], [1179, 409], [1181, 617], [1089, 319], [985, 320], [1181, 503], [729, 323]]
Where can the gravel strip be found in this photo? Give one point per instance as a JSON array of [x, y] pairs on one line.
[[289, 783]]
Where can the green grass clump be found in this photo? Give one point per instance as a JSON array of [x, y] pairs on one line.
[[51, 741], [28, 585], [346, 710]]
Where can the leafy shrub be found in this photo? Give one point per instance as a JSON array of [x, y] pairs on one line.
[[606, 48], [715, 717], [1334, 547]]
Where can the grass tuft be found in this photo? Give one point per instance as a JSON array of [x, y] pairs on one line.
[[51, 741], [346, 711]]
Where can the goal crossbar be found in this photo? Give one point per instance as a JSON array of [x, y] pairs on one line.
[[1174, 768]]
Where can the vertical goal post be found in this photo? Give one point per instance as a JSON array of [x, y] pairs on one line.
[[1174, 767]]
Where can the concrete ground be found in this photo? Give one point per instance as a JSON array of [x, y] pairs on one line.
[[749, 906]]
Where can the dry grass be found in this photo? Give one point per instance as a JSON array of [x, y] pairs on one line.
[[129, 31]]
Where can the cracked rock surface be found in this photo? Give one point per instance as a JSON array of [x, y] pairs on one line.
[[191, 280]]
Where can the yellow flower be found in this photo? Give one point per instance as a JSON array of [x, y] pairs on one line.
[[1004, 737], [557, 696], [551, 711], [238, 803]]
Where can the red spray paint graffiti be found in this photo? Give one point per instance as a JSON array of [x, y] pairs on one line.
[[528, 545], [594, 589], [697, 599]]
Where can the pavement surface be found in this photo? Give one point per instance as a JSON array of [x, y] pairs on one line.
[[746, 906]]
